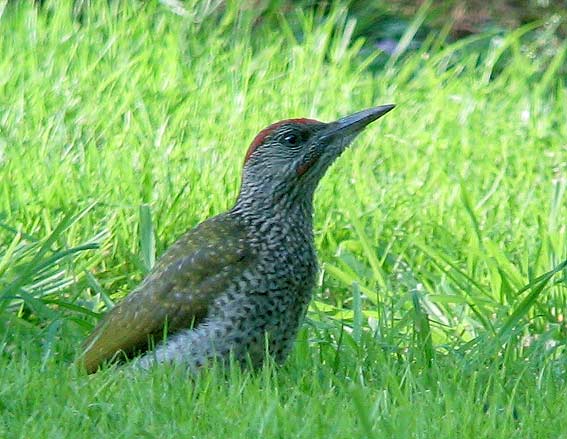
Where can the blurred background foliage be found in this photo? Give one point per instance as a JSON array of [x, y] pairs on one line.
[[377, 21], [382, 25]]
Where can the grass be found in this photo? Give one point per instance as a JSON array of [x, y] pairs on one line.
[[441, 305], [372, 395]]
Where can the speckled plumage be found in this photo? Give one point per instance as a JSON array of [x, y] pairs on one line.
[[239, 283]]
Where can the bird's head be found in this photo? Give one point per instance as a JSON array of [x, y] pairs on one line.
[[290, 157]]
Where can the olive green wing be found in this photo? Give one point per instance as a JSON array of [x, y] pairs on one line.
[[177, 294]]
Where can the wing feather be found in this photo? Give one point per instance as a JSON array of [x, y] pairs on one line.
[[177, 294]]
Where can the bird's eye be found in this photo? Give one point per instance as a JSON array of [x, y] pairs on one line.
[[291, 139]]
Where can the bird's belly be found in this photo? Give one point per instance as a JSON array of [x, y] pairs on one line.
[[276, 334], [266, 322]]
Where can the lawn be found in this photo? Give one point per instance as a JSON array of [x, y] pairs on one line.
[[440, 309]]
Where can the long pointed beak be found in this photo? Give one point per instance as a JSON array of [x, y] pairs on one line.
[[358, 121], [335, 137]]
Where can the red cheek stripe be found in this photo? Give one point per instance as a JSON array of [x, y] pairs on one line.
[[305, 167]]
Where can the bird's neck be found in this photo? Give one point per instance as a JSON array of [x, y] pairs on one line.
[[291, 209]]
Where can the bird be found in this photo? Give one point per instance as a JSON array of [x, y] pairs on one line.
[[238, 285]]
